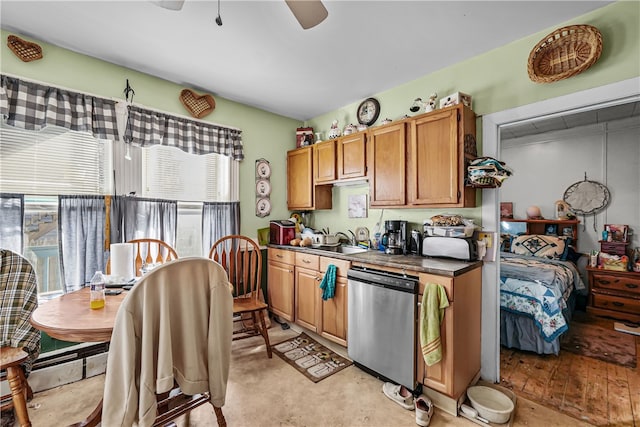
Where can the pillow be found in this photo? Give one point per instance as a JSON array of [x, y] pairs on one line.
[[539, 245]]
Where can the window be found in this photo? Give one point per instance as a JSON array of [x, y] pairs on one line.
[[54, 161], [43, 165], [170, 173]]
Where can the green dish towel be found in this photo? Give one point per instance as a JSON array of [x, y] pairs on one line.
[[434, 301], [328, 284]]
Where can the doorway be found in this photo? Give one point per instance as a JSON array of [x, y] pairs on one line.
[[614, 94]]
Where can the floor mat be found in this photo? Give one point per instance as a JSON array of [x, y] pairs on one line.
[[600, 343], [310, 358]]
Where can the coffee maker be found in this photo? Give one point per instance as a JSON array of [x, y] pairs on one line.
[[395, 237]]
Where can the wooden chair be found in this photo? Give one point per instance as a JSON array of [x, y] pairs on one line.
[[166, 304], [11, 359], [240, 256], [149, 251]]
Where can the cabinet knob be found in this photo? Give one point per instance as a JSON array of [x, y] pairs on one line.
[[617, 304], [306, 261], [631, 285], [279, 256]]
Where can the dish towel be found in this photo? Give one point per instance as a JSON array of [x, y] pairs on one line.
[[328, 284], [434, 301]]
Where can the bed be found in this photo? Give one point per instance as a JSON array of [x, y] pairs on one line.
[[538, 288]]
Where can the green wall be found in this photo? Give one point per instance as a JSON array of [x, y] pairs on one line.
[[497, 80], [264, 135]]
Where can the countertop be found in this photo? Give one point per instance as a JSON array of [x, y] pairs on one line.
[[420, 264]]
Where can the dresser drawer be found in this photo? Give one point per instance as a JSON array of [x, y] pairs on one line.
[[613, 282], [616, 303], [613, 248], [309, 261]]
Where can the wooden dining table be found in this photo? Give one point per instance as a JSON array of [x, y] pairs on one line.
[[69, 318]]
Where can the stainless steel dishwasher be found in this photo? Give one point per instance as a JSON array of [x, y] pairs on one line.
[[381, 332]]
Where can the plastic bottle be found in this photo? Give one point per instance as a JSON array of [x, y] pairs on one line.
[[97, 298]]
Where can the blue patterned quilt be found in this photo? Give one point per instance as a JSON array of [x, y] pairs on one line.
[[538, 288]]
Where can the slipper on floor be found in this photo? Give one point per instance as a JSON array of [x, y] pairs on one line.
[[399, 394]]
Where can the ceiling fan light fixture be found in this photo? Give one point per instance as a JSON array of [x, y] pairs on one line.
[[309, 13], [169, 4]]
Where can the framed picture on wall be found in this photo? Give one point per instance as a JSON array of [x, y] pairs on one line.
[[618, 232], [506, 210]]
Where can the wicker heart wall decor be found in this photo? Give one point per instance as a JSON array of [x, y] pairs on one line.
[[197, 105], [27, 51]]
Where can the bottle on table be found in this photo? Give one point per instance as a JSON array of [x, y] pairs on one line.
[[97, 286]]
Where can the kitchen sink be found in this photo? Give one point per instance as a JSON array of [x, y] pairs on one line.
[[347, 250]]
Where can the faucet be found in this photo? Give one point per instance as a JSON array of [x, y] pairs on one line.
[[352, 240]]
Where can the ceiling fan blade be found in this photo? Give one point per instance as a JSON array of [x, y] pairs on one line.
[[309, 13], [169, 4]]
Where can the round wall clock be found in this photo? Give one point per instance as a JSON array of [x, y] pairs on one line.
[[263, 187], [368, 111], [263, 207]]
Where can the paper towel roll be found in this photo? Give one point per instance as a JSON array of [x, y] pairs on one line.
[[122, 260]]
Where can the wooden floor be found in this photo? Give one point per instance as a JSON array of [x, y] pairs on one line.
[[600, 393]]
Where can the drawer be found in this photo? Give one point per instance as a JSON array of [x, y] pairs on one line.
[[612, 282], [282, 255], [342, 266], [616, 303], [613, 248], [307, 261]]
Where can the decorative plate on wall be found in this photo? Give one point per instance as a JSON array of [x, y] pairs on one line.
[[263, 188]]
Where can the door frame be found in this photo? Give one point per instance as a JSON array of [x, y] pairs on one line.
[[604, 96]]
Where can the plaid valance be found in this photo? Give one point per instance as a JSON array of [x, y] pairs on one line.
[[32, 106], [146, 127]]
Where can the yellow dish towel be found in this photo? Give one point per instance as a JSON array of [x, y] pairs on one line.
[[434, 301]]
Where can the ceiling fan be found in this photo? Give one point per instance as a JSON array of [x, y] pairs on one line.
[[309, 13]]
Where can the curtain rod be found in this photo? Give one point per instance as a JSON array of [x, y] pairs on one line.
[[123, 101]]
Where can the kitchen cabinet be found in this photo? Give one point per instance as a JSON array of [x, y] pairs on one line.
[[351, 160], [333, 312], [386, 164], [280, 282], [446, 381], [307, 290], [614, 294], [302, 194], [324, 157], [437, 164]]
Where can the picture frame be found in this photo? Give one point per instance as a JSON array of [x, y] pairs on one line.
[[304, 137], [506, 210], [551, 230], [567, 231], [618, 232]]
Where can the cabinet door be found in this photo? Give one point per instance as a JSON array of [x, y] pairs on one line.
[[351, 156], [307, 295], [299, 179], [324, 157], [434, 159], [333, 325], [280, 289], [440, 375], [386, 159]]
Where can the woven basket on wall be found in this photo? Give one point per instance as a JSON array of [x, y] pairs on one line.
[[197, 105], [564, 53], [27, 51]]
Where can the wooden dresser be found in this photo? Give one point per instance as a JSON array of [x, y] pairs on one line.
[[614, 294]]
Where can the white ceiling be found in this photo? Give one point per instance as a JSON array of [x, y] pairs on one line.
[[261, 56]]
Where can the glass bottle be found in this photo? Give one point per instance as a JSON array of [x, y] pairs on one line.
[[97, 298]]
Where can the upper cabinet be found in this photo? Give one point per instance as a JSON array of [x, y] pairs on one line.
[[386, 158], [351, 156], [436, 164], [324, 157], [302, 194]]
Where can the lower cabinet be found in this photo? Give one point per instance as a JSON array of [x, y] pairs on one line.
[[280, 282], [459, 333], [307, 293], [333, 312]]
